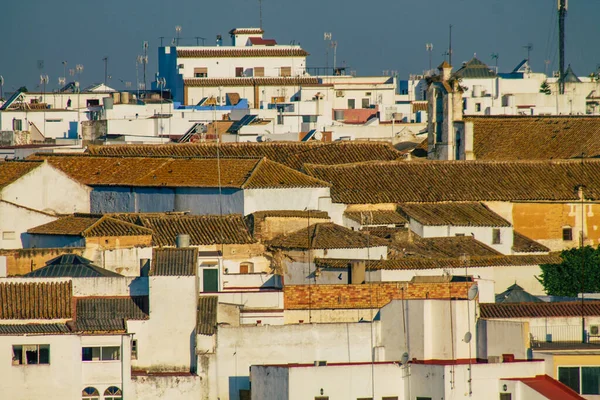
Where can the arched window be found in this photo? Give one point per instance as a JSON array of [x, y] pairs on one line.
[[90, 393], [113, 393]]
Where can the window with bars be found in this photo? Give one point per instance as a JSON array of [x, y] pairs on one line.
[[90, 393], [567, 233]]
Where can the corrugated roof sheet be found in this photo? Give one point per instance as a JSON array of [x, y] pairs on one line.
[[550, 388], [43, 300], [204, 230], [207, 315], [453, 214], [238, 52], [523, 244], [32, 329], [439, 181], [410, 263], [180, 172], [174, 262], [10, 171], [70, 265], [326, 236], [292, 154], [110, 308], [376, 217], [539, 310], [535, 138], [99, 325]]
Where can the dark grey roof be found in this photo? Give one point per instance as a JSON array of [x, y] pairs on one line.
[[516, 294], [109, 308], [27, 329], [70, 265], [207, 315], [99, 325], [174, 262], [475, 69], [570, 76]]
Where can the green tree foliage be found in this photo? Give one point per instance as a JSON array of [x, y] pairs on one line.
[[564, 279], [545, 88]]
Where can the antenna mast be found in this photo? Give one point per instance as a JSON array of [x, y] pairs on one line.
[[450, 47], [145, 61], [260, 13], [562, 13]]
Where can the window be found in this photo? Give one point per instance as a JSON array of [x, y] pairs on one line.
[[201, 72], [113, 393], [246, 268], [286, 71], [583, 380], [9, 235], [321, 397], [31, 354], [478, 107], [505, 396], [496, 238], [107, 353], [239, 72], [17, 125], [90, 393], [423, 398], [351, 104], [459, 234], [365, 103], [364, 398], [54, 120], [134, 349], [259, 71], [567, 234], [389, 398], [92, 102], [569, 376]]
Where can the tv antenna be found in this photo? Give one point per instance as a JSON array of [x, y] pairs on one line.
[[327, 36], [495, 57], [198, 39], [105, 59], [529, 48], [178, 33], [260, 13], [145, 59], [429, 49]]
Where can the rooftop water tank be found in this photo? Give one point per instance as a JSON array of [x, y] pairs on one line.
[[182, 240]]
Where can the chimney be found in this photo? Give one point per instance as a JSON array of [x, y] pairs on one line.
[[357, 272], [445, 71]]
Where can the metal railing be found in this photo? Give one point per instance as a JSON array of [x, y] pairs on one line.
[[562, 336]]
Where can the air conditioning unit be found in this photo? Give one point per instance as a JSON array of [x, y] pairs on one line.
[[320, 363], [594, 330], [339, 93]]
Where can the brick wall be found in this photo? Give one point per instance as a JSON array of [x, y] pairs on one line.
[[303, 297], [22, 261]]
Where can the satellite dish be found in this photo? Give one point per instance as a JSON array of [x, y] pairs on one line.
[[473, 291], [404, 358], [468, 337], [318, 135]]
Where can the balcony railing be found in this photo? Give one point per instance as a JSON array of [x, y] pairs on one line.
[[562, 337]]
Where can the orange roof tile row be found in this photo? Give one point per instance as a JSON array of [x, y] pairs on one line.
[[400, 182], [13, 170], [376, 217], [89, 226], [168, 172], [326, 236], [539, 310], [292, 154], [453, 214]]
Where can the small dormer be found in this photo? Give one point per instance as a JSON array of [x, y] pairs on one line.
[[241, 36]]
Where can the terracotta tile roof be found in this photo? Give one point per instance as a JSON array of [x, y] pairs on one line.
[[174, 262], [376, 217], [535, 138], [204, 230], [10, 171], [549, 388], [437, 181], [181, 172], [207, 315], [539, 310], [89, 225], [412, 263], [317, 214], [445, 247], [246, 31], [70, 265], [453, 214], [523, 244], [292, 154], [43, 300], [231, 82], [109, 308], [33, 329], [326, 236], [237, 52]]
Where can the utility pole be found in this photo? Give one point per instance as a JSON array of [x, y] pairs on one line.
[[105, 59], [450, 47], [562, 13], [260, 13]]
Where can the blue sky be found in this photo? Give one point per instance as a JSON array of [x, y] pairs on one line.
[[372, 36]]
